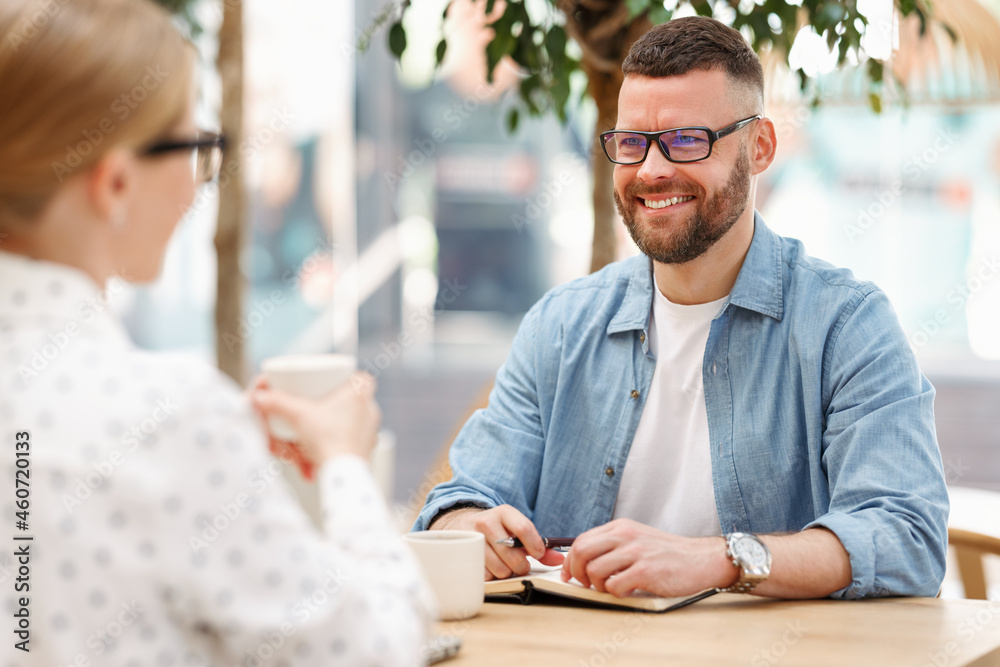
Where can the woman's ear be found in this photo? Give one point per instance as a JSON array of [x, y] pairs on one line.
[[110, 184]]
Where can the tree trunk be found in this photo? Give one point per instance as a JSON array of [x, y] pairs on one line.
[[604, 87], [230, 233], [604, 33]]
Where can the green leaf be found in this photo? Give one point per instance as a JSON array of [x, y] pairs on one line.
[[560, 94], [833, 13], [555, 43], [875, 102], [503, 41], [184, 11], [875, 70], [526, 52], [659, 14], [513, 117], [494, 52], [843, 47], [397, 39], [442, 47], [803, 78], [636, 7], [528, 87], [703, 7]]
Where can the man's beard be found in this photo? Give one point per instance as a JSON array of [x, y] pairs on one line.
[[710, 221]]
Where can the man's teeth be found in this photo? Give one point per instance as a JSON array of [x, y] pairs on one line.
[[663, 203]]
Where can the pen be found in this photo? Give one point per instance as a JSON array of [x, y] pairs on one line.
[[550, 542]]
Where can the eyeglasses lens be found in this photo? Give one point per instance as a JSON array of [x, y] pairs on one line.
[[625, 146], [685, 145], [680, 146]]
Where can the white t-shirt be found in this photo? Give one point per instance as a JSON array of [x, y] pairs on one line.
[[667, 482]]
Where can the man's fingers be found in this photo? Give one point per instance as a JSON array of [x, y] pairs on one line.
[[623, 583], [572, 568], [587, 548], [496, 524], [605, 567], [495, 565], [508, 561], [491, 524], [552, 557], [517, 525]]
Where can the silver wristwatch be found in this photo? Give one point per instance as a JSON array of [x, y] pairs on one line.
[[752, 556]]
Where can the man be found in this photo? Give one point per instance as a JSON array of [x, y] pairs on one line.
[[724, 411]]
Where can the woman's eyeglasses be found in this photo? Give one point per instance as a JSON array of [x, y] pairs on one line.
[[207, 158]]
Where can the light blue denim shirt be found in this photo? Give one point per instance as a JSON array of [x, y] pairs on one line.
[[818, 415]]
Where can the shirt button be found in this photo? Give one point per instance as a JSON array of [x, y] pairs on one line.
[[635, 393], [610, 472], [713, 368], [642, 337]]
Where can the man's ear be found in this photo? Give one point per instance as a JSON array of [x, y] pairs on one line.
[[110, 182], [764, 145]]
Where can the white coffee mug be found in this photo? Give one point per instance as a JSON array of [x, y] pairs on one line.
[[454, 562], [306, 375]]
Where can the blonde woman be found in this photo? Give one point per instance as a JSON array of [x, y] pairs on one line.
[[162, 532]]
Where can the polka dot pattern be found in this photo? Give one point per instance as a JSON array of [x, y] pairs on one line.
[[153, 540]]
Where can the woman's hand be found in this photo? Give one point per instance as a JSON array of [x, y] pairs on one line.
[[283, 449], [345, 421]]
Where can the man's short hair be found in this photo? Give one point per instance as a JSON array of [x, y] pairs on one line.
[[699, 43]]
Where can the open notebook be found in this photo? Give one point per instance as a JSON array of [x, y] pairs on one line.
[[545, 585]]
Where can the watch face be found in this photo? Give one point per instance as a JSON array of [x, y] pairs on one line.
[[750, 552]]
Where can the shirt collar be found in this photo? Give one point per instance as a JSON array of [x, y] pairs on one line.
[[758, 286], [633, 313], [50, 294]]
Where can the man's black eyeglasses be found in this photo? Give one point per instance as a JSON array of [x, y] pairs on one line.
[[680, 144], [209, 147]]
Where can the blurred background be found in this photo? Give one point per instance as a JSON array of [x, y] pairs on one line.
[[394, 215]]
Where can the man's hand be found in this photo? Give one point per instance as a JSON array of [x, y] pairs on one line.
[[624, 555], [497, 524]]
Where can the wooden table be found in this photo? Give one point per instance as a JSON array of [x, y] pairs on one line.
[[731, 629]]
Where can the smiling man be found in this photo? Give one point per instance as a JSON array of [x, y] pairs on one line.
[[724, 410]]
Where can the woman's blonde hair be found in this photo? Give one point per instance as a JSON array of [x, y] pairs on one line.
[[78, 77]]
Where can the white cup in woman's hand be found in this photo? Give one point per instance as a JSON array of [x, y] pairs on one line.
[[306, 376]]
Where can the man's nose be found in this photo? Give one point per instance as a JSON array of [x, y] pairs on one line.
[[656, 166]]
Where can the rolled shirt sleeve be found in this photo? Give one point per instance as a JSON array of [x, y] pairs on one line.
[[503, 443], [888, 499]]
